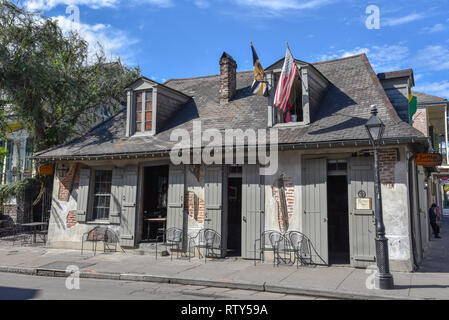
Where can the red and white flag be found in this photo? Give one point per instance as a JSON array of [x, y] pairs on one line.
[[286, 81]]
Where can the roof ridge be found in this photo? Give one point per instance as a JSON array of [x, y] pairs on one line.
[[339, 59], [429, 95], [200, 77]]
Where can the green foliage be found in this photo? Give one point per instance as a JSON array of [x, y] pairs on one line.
[[49, 81], [19, 189]]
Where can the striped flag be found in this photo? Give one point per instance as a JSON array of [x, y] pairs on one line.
[[285, 82], [259, 85]]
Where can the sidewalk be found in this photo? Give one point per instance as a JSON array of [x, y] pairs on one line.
[[430, 282]]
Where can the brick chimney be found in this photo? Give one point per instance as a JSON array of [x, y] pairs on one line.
[[228, 78]]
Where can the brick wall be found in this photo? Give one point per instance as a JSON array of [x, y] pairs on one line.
[[66, 183], [420, 121], [387, 162], [228, 77], [194, 206], [290, 198], [71, 219]]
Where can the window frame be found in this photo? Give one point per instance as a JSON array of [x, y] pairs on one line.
[[92, 196], [143, 122]]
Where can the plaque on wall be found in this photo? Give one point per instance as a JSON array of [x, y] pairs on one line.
[[363, 203]]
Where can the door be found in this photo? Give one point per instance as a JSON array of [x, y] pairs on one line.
[[175, 198], [213, 198], [129, 200], [252, 209], [362, 231], [315, 208]]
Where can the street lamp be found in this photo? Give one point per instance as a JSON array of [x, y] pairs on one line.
[[384, 280]]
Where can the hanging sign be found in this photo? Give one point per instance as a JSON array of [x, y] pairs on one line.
[[428, 159], [46, 170]]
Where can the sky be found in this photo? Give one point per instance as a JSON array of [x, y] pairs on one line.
[[185, 38]]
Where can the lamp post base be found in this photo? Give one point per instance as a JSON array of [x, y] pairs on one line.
[[384, 282]]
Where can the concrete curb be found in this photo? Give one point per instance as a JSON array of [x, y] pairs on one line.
[[242, 285]]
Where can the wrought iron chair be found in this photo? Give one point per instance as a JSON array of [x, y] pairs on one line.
[[264, 244], [210, 241], [174, 239], [301, 248], [100, 234], [281, 248]]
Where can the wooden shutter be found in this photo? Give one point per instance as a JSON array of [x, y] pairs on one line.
[[252, 209], [361, 222], [315, 208], [175, 197], [423, 205], [129, 202], [83, 195], [116, 196], [213, 198]]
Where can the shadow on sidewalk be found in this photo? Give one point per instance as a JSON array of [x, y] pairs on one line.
[[8, 293], [437, 256]]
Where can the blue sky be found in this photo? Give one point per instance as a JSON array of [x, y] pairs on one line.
[[185, 38]]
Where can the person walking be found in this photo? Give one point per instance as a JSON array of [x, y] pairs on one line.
[[433, 220]]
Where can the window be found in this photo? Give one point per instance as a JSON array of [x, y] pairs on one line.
[[294, 111], [102, 194], [144, 111], [337, 165]]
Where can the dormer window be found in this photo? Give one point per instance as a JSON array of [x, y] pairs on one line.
[[144, 111]]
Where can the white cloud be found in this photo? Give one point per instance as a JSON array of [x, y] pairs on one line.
[[280, 5], [202, 4], [436, 28], [433, 58], [382, 58], [440, 89], [391, 22], [35, 5], [114, 42]]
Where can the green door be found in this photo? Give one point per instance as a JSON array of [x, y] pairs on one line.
[[315, 208], [361, 220], [252, 209], [128, 212]]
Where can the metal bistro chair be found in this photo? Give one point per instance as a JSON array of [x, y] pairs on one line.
[[174, 239], [210, 241], [101, 234], [265, 244], [281, 248], [301, 248]]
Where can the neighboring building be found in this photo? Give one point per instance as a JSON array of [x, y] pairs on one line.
[[17, 165], [431, 119], [120, 172]]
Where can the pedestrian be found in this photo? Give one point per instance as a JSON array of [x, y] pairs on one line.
[[433, 220]]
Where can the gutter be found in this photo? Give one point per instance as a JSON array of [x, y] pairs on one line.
[[281, 147]]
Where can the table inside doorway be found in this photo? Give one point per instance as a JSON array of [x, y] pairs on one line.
[[155, 220]]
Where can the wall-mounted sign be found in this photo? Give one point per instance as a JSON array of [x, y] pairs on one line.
[[363, 204], [46, 170], [428, 159]]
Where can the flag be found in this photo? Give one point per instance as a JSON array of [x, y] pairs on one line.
[[259, 85], [285, 82], [413, 105]]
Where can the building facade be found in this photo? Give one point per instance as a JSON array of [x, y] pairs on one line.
[[319, 178]]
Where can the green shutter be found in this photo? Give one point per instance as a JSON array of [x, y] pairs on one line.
[[361, 222], [116, 196], [315, 207], [175, 198], [213, 198], [129, 205], [252, 209], [83, 195]]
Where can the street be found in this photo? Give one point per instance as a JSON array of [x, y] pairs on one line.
[[24, 287]]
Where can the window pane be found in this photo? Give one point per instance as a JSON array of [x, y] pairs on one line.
[[148, 116], [139, 97], [149, 95], [138, 126], [139, 116], [148, 105], [102, 197], [148, 126]]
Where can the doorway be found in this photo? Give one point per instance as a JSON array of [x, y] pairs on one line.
[[338, 219], [155, 191], [234, 232]]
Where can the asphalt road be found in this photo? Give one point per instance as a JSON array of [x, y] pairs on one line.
[[25, 287]]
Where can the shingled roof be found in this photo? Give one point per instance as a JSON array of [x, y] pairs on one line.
[[341, 116], [424, 98]]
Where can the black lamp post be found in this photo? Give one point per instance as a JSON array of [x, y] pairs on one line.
[[384, 280]]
